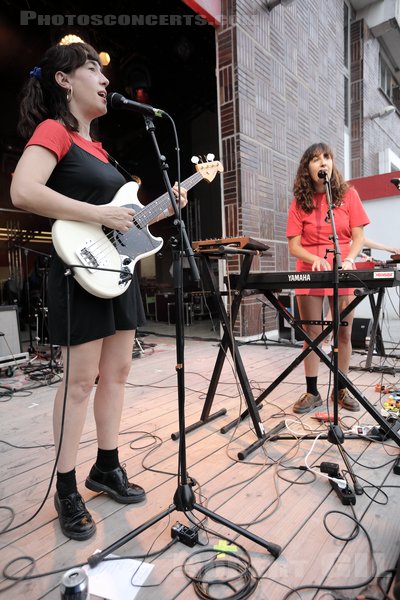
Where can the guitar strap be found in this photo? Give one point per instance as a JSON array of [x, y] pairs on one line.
[[122, 169], [116, 164]]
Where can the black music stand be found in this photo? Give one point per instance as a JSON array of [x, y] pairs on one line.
[[184, 498]]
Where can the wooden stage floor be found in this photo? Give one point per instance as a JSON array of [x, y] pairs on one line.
[[270, 493]]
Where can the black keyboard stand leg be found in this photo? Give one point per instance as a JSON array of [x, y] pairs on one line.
[[228, 343]]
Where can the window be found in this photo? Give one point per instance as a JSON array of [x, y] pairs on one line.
[[346, 102], [388, 84], [346, 35]]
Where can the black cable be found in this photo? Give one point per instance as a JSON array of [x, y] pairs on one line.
[[16, 579], [388, 573], [45, 446], [351, 537], [297, 481], [47, 493], [376, 487], [244, 575]]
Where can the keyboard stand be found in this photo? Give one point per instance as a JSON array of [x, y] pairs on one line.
[[376, 340], [313, 345], [228, 342]]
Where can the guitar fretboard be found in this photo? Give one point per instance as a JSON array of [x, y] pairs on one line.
[[148, 213]]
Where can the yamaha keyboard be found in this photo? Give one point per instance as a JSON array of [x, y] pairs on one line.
[[371, 279]]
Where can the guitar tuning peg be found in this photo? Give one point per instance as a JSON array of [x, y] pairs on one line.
[[195, 160], [210, 157]]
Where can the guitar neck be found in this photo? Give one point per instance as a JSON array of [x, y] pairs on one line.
[[152, 210]]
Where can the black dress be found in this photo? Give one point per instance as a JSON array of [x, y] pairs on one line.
[[83, 176]]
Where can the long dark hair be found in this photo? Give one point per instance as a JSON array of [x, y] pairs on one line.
[[303, 185], [42, 98]]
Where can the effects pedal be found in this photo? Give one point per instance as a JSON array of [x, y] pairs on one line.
[[383, 389], [186, 535]]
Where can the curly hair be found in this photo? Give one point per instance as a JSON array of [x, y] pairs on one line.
[[303, 187], [42, 98]]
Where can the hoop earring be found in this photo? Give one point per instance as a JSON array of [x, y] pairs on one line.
[[69, 94]]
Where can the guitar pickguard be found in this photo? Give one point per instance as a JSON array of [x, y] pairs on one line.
[[138, 242]]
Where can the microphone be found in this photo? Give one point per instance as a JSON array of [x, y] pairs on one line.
[[115, 100], [396, 182], [323, 175]]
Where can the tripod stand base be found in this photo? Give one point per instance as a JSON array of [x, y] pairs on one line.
[[95, 559], [273, 549], [335, 435], [184, 497]]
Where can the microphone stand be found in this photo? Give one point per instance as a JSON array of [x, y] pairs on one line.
[[31, 349], [184, 498], [26, 250], [335, 433]]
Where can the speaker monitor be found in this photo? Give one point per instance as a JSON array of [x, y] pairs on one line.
[[360, 332], [10, 340]]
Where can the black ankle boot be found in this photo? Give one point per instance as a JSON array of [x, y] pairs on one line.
[[75, 520], [116, 484]]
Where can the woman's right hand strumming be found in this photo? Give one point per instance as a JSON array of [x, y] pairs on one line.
[[116, 217]]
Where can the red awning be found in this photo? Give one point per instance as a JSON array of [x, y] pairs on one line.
[[376, 186], [209, 9]]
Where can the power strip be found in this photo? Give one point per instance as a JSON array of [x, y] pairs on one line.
[[338, 482], [363, 429]]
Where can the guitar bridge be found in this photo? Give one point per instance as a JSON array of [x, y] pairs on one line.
[[90, 258]]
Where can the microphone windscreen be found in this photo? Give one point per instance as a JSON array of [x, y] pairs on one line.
[[115, 100]]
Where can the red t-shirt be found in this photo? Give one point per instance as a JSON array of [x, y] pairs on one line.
[[315, 231], [55, 137]]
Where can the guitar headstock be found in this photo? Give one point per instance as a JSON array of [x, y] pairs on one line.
[[208, 168]]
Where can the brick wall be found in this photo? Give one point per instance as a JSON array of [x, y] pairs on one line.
[[281, 89]]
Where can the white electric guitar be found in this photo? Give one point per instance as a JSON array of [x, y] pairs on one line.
[[103, 263]]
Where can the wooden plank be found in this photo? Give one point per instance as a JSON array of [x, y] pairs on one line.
[[244, 492]]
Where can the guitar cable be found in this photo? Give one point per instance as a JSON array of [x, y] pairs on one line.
[[7, 529]]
